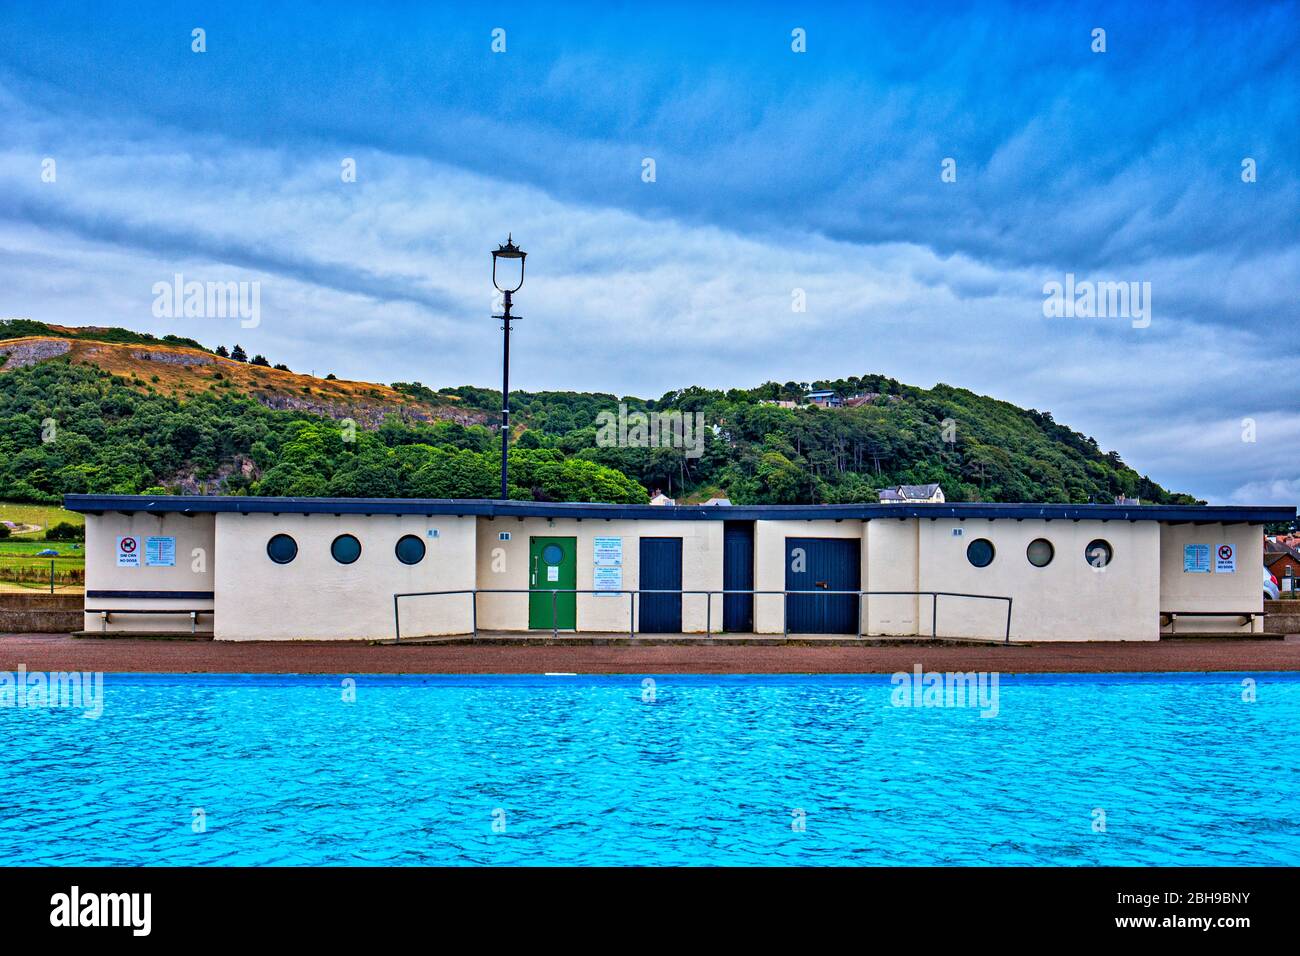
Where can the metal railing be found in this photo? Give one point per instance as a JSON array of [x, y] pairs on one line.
[[23, 573], [708, 614]]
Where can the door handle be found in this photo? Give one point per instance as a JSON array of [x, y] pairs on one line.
[[824, 585]]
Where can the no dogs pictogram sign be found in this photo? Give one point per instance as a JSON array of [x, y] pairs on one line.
[[1225, 559], [128, 552]]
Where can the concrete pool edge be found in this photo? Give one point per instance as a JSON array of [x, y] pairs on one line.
[[57, 652]]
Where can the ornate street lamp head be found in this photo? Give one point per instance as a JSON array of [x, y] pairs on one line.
[[508, 251]]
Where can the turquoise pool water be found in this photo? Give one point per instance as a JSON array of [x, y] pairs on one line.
[[703, 770]]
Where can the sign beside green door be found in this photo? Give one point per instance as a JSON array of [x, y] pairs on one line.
[[552, 566]]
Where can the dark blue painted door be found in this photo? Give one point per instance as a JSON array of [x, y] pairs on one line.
[[738, 575], [817, 565], [661, 568]]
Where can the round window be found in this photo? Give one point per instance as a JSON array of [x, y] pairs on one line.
[[1098, 553], [281, 549], [1040, 552], [410, 549], [345, 549], [552, 554], [980, 552]]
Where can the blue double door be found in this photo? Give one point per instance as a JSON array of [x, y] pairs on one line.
[[821, 566], [661, 569]]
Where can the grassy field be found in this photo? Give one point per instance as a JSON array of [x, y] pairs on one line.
[[25, 547], [43, 516], [21, 569]]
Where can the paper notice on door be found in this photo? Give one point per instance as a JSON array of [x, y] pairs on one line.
[[552, 574]]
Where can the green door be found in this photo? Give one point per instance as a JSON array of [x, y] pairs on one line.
[[552, 566]]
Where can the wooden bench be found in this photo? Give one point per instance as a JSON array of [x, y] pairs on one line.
[[105, 612], [1249, 617]]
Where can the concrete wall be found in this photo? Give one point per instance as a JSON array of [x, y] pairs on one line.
[[193, 571], [315, 597], [504, 564], [892, 563], [34, 612], [1067, 600], [1241, 590]]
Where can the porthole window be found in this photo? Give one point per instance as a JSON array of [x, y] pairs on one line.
[[553, 554], [410, 549], [281, 549], [1040, 552], [345, 549], [980, 552], [1098, 553]]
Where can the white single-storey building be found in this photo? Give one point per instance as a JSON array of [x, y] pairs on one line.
[[244, 569]]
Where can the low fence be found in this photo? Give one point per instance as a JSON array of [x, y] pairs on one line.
[[51, 575], [708, 627]]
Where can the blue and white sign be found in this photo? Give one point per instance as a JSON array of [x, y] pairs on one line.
[[128, 551], [1196, 559], [1225, 559], [160, 552], [607, 550], [607, 578]]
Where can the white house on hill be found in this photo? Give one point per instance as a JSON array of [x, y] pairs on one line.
[[912, 495]]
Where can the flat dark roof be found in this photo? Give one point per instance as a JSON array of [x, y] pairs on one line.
[[198, 504]]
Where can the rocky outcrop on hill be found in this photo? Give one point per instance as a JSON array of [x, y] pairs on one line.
[[175, 358], [22, 353], [368, 415]]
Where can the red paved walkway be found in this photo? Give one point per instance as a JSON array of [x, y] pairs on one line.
[[55, 652]]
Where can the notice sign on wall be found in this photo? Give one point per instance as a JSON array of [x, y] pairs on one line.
[[1225, 559], [128, 551], [607, 578], [607, 556], [160, 552], [1196, 559], [607, 551]]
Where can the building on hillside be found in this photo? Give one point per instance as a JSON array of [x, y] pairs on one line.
[[332, 568], [780, 403], [1121, 500], [825, 398], [715, 502], [1283, 562], [912, 495], [658, 499]]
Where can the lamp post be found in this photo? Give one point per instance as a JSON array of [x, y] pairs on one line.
[[508, 251]]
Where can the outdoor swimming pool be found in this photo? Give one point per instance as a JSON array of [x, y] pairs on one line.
[[687, 770]]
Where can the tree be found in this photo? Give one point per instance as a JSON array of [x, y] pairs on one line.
[[238, 353], [223, 351], [260, 360], [281, 367], [331, 377]]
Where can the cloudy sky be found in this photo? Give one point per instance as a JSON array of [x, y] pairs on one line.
[[774, 171]]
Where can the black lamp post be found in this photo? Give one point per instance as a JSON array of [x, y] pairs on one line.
[[508, 251]]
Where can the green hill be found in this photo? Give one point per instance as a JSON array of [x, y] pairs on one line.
[[68, 425]]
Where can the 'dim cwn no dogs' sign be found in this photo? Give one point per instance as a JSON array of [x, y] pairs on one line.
[[128, 551]]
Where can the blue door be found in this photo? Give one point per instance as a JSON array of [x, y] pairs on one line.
[[738, 575], [661, 569], [822, 565]]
